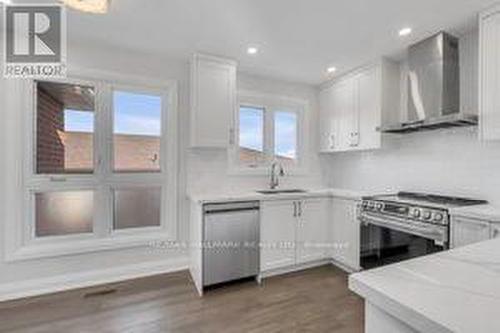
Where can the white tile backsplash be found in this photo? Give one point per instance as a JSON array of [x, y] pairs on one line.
[[446, 161]]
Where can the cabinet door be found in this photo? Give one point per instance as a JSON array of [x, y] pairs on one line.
[[466, 231], [344, 114], [312, 230], [345, 232], [490, 75], [213, 102], [327, 121], [366, 135], [277, 234]]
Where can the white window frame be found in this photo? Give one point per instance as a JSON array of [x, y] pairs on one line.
[[271, 104], [21, 242]]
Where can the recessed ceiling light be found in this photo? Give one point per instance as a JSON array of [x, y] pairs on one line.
[[252, 50], [331, 70], [405, 32]]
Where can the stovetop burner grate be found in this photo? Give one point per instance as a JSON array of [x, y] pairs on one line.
[[440, 199]]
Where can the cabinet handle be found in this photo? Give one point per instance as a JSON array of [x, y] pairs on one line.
[[300, 208], [332, 141], [294, 209], [354, 136]]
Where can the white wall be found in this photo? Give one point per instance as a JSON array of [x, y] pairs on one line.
[[20, 276], [208, 171], [198, 171], [450, 162]]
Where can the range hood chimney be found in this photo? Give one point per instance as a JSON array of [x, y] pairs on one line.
[[433, 86]]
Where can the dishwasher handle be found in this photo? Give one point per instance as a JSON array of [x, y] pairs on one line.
[[225, 207]]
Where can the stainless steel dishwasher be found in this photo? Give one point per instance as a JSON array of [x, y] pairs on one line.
[[231, 241]]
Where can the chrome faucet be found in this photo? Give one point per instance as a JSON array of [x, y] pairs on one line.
[[274, 181]]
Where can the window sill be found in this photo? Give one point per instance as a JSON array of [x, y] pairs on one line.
[[87, 245]]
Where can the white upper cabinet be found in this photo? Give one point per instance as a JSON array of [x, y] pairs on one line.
[[345, 119], [352, 107], [326, 121], [365, 133], [489, 74], [213, 101]]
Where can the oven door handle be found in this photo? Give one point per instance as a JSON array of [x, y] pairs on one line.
[[437, 233]]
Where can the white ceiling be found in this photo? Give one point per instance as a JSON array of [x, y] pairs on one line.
[[298, 39]]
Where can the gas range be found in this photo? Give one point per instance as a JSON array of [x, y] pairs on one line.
[[405, 225], [424, 208]]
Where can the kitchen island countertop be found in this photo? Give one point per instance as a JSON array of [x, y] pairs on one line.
[[452, 291]]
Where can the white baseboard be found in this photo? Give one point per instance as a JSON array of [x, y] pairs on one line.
[[344, 267], [294, 268], [37, 287]]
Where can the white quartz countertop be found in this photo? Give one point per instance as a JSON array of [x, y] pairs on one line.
[[487, 212], [452, 291], [225, 196]]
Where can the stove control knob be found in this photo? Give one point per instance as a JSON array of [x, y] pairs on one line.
[[438, 217], [416, 213], [371, 205], [427, 215], [379, 206]]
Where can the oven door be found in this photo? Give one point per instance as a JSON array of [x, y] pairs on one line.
[[388, 240]]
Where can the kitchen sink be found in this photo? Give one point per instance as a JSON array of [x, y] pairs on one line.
[[279, 191]]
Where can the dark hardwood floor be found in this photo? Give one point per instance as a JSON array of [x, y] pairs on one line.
[[315, 300]]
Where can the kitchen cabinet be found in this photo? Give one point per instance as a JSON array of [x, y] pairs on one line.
[[292, 232], [277, 234], [312, 230], [466, 231], [352, 107], [489, 74], [345, 233], [213, 101], [327, 122]]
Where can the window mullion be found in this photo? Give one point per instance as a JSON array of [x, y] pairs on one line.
[[103, 148], [269, 134]]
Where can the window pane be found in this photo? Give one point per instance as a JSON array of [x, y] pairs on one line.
[[137, 132], [136, 208], [251, 140], [63, 213], [64, 128], [285, 136]]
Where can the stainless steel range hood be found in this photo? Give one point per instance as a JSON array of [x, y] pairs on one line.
[[433, 86]]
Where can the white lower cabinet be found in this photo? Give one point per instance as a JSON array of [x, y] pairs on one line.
[[465, 231], [277, 234], [345, 233], [312, 230], [292, 232]]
